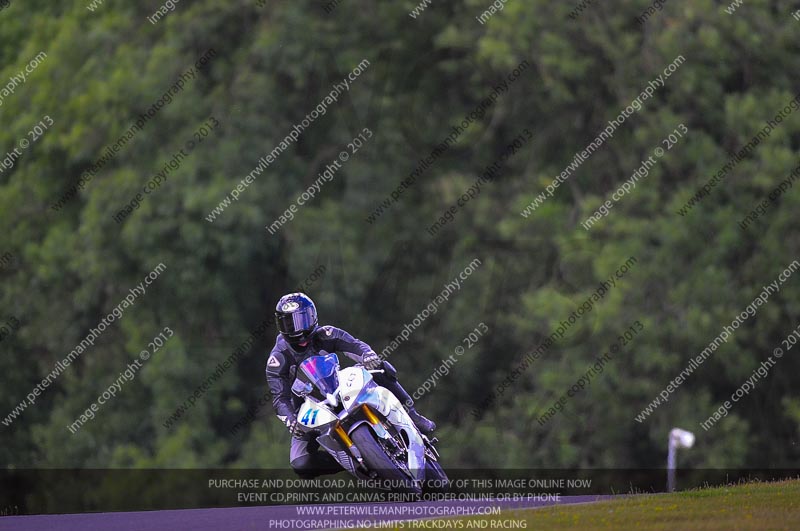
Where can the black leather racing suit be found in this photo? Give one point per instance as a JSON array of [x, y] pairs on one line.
[[305, 457]]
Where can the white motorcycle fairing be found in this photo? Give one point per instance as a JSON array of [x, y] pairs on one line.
[[314, 415], [357, 388]]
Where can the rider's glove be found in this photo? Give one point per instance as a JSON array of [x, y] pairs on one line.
[[371, 361], [292, 426]]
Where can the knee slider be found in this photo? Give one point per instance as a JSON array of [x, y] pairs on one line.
[[302, 466]]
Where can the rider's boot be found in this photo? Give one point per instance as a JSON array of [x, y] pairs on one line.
[[424, 424]]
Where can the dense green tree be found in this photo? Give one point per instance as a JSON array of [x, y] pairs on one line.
[[273, 65]]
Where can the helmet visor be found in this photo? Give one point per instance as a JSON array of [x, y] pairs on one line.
[[294, 324]]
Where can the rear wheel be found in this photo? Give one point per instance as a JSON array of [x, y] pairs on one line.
[[377, 457], [435, 478]]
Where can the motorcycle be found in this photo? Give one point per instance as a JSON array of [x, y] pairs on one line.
[[364, 426]]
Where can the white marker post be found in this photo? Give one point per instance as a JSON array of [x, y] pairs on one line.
[[678, 438]]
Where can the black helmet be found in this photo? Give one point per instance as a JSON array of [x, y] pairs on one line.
[[296, 317]]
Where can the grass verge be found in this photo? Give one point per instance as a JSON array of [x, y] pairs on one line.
[[746, 507]]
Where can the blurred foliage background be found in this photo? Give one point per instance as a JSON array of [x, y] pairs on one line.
[[273, 64]]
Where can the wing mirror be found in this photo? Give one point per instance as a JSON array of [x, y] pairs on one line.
[[301, 388]]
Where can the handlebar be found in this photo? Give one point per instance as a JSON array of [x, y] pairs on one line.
[[371, 371]]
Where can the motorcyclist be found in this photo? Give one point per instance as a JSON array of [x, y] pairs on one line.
[[300, 337]]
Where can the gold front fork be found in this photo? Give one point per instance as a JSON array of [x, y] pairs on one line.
[[348, 442], [370, 415], [343, 436]]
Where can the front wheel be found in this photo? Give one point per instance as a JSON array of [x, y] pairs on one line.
[[377, 458]]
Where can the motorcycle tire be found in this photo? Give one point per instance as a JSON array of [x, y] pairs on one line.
[[435, 478], [376, 459]]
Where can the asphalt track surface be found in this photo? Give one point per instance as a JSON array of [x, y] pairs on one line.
[[254, 518]]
